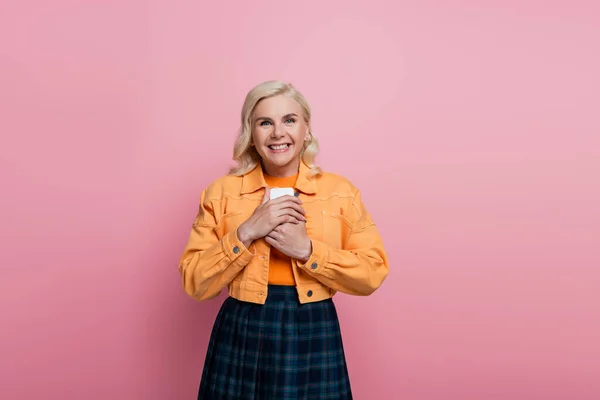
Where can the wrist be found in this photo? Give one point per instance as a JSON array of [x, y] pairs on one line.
[[244, 236], [305, 256]]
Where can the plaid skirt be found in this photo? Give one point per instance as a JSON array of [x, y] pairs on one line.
[[281, 350]]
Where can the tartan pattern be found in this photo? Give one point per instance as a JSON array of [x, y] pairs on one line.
[[282, 350]]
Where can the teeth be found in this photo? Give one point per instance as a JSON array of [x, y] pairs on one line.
[[279, 146]]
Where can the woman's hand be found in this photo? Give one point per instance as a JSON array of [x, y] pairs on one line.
[[291, 240], [268, 215]]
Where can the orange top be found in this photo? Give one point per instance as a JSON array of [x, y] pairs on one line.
[[280, 265]]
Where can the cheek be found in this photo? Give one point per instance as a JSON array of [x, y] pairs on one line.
[[259, 135], [303, 130], [300, 133]]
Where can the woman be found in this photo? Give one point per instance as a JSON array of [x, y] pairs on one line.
[[282, 259]]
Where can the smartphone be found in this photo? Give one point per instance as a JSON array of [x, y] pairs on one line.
[[278, 192]]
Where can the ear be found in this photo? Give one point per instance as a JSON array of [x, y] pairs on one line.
[[307, 137]]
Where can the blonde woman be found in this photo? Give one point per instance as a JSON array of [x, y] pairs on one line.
[[283, 237]]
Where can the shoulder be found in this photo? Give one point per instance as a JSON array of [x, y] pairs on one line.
[[226, 185], [333, 182]]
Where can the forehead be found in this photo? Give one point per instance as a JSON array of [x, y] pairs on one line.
[[277, 106]]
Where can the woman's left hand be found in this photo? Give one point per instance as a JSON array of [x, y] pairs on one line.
[[291, 240]]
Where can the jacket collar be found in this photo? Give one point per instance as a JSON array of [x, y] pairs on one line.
[[255, 180]]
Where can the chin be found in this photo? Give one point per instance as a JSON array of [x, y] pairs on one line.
[[278, 162]]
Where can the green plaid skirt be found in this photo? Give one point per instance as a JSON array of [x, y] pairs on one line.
[[281, 350]]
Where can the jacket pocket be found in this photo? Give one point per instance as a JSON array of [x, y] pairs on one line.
[[331, 228], [228, 223]]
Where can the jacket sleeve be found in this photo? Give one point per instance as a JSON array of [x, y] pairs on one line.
[[357, 269], [209, 264]]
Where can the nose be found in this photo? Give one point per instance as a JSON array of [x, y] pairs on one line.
[[278, 131]]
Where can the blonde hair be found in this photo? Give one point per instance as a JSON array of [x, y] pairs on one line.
[[244, 153]]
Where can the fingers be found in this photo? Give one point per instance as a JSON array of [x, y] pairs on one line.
[[289, 205], [275, 236], [291, 215], [286, 198], [280, 229], [266, 196], [285, 219], [286, 201], [294, 220], [270, 241]]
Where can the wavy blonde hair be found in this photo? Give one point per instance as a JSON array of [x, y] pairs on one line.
[[244, 153]]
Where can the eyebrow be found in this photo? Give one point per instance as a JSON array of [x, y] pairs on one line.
[[269, 119]]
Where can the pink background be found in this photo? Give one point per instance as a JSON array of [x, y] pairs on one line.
[[471, 127]]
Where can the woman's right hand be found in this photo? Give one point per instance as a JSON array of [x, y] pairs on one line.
[[270, 214]]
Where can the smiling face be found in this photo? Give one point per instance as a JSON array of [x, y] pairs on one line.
[[279, 130]]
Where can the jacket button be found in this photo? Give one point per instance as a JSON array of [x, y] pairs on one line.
[[314, 265], [236, 250], [309, 293]]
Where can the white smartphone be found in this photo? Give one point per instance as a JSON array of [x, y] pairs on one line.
[[278, 192]]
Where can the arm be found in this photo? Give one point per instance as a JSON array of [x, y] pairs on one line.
[[360, 267], [209, 264]]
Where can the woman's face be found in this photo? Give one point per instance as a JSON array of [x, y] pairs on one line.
[[279, 130]]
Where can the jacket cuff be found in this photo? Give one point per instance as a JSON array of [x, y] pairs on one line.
[[235, 249], [317, 260]]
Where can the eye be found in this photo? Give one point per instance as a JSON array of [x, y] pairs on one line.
[[290, 121], [264, 123]]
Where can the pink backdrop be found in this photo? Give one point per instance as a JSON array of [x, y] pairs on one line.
[[471, 127]]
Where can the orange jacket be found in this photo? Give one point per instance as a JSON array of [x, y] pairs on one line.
[[348, 254]]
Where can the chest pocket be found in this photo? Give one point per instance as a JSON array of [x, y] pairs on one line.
[[229, 222], [329, 227]]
